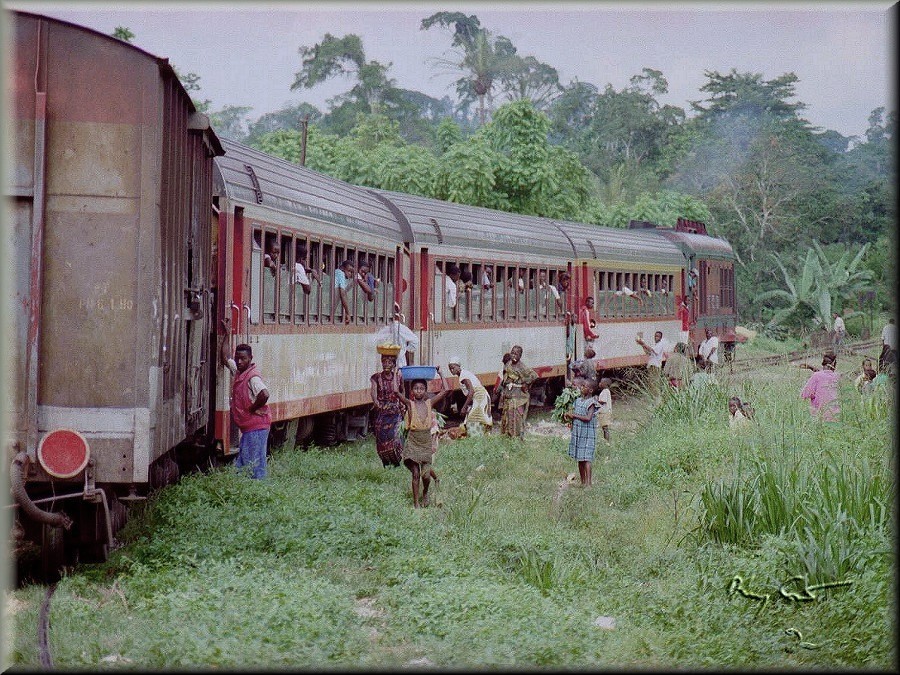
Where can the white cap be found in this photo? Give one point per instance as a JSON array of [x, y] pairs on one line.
[[454, 359]]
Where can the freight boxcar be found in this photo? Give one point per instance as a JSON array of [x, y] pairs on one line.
[[108, 193]]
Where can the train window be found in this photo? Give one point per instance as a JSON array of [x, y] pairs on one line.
[[255, 275], [532, 296], [388, 278], [476, 292], [337, 309], [488, 292], [271, 258], [500, 293], [302, 280], [285, 278], [327, 293]]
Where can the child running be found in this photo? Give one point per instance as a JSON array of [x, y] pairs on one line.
[[584, 429], [604, 407], [419, 449]]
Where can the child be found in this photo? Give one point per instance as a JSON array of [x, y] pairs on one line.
[[737, 417], [604, 407], [419, 448], [584, 429]]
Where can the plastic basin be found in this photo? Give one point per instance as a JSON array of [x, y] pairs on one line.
[[418, 372]]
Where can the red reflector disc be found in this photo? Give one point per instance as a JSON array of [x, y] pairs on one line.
[[63, 453]]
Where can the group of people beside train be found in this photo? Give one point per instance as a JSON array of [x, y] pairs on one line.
[[407, 428]]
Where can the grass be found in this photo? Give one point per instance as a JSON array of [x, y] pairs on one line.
[[326, 564]]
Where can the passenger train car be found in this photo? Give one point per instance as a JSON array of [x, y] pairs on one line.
[[137, 231]]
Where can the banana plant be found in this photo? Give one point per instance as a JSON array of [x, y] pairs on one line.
[[819, 283]]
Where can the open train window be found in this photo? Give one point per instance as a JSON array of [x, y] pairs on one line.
[[301, 279], [327, 263], [285, 278], [256, 258], [476, 293], [271, 258], [488, 284]]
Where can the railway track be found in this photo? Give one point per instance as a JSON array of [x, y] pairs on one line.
[[801, 355]]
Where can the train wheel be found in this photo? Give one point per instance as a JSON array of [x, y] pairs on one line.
[[53, 553], [327, 430], [305, 428]]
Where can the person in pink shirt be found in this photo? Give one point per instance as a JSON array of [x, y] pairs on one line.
[[822, 390]]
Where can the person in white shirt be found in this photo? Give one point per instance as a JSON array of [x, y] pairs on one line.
[[709, 351], [656, 353], [477, 408], [397, 333], [604, 407], [452, 277], [840, 330]]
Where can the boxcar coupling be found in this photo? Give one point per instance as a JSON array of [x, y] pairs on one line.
[[137, 230]]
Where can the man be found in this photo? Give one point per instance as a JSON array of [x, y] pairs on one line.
[[562, 286], [840, 330], [453, 274], [888, 345], [709, 351], [397, 333], [584, 318], [300, 275], [249, 411], [684, 316], [544, 286], [656, 352], [342, 282], [273, 257], [679, 367]]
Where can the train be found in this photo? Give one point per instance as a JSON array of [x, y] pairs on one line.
[[136, 230]]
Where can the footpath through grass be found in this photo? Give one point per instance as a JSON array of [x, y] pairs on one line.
[[696, 547]]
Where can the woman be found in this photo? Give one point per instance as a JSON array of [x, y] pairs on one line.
[[822, 390], [517, 377], [389, 410], [477, 408]]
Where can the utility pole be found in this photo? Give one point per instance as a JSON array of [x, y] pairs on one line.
[[304, 126]]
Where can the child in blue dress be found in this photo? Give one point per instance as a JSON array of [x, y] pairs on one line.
[[584, 429]]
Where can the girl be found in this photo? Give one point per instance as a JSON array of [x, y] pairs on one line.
[[584, 430], [385, 391], [419, 449], [822, 390], [604, 407]]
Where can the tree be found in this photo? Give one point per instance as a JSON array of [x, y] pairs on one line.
[[288, 117], [482, 57], [123, 33], [529, 79], [345, 56], [231, 121]]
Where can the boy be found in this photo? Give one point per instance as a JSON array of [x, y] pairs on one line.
[[249, 411]]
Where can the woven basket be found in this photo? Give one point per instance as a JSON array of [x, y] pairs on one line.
[[388, 350]]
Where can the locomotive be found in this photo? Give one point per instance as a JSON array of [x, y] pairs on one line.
[[137, 230]]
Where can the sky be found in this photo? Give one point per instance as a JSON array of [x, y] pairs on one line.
[[247, 54]]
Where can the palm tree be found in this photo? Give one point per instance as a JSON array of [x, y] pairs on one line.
[[481, 56]]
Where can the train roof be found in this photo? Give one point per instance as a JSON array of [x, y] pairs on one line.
[[249, 175], [701, 244], [426, 221]]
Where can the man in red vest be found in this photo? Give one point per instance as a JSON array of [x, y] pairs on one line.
[[248, 406]]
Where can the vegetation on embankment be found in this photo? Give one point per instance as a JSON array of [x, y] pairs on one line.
[[687, 528]]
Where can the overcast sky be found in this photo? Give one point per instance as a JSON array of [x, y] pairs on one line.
[[247, 53]]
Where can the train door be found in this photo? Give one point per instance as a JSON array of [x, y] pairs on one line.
[[198, 309]]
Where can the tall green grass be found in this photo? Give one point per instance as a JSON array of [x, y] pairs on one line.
[[327, 565]]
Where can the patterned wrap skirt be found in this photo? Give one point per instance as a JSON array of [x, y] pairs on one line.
[[515, 412], [388, 440]]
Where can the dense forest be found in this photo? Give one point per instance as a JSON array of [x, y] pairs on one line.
[[810, 212]]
